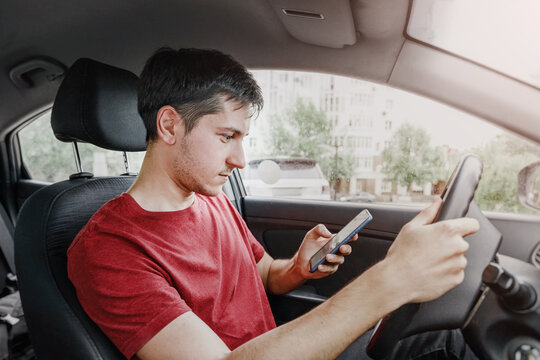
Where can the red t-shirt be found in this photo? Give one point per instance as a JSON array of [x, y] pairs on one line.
[[135, 271]]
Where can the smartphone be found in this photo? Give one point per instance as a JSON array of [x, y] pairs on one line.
[[341, 238]]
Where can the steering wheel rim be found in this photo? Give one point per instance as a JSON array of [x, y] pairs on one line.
[[457, 197]]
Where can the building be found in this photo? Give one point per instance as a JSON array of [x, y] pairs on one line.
[[361, 113]]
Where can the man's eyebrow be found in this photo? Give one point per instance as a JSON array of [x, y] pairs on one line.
[[233, 129]]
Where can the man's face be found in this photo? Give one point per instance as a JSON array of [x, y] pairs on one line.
[[205, 157]]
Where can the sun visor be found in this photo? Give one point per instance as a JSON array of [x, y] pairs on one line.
[[319, 22]]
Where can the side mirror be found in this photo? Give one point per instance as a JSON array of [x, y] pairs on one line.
[[529, 185]]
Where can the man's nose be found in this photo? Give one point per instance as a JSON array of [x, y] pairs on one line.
[[237, 158]]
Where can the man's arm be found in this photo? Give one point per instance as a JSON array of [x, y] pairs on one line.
[[322, 333], [425, 261]]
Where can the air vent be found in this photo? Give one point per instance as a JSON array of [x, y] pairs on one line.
[[535, 258]]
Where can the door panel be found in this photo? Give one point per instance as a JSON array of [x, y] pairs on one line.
[[280, 225]]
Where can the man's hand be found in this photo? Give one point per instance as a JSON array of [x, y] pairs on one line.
[[313, 241], [428, 259], [283, 275]]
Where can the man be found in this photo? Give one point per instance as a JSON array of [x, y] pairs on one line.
[[169, 270]]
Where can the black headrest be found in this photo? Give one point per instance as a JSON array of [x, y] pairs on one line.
[[97, 104]]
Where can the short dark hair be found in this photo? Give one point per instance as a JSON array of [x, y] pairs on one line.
[[195, 82]]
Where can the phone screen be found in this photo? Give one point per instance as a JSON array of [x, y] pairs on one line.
[[342, 237]]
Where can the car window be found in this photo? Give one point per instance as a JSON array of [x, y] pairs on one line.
[[48, 159], [372, 143]]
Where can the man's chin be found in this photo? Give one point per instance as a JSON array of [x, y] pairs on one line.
[[211, 190]]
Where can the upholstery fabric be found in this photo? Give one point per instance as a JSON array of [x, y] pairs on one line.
[[47, 223]]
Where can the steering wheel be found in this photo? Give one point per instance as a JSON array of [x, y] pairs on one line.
[[453, 308]]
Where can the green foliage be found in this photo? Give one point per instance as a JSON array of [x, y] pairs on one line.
[[304, 131], [300, 131], [409, 159], [45, 157], [49, 159], [340, 167], [503, 158]]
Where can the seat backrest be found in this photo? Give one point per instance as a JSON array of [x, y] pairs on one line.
[[96, 103]]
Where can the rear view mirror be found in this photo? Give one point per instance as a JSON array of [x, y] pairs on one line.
[[529, 185]]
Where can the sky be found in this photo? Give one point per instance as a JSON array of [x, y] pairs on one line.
[[446, 125]]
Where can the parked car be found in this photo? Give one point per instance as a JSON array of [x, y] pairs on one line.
[[294, 177], [360, 198], [479, 59]]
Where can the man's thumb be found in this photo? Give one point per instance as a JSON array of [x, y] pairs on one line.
[[427, 216]]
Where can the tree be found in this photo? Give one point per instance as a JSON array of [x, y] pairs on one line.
[[300, 131], [46, 157], [503, 157], [409, 159], [49, 159], [336, 167], [304, 131]]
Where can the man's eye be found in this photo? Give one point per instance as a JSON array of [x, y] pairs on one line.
[[226, 138]]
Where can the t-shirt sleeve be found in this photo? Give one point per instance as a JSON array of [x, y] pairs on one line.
[[256, 247], [124, 293]]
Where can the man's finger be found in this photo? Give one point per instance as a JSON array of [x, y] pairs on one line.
[[427, 215], [335, 259], [345, 249], [327, 268], [320, 230], [461, 226]]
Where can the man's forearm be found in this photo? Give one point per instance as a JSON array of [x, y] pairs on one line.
[[327, 330], [283, 276]]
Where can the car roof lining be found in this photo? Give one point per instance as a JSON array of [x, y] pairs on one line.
[[382, 52]]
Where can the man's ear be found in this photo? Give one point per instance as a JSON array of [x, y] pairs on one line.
[[166, 119]]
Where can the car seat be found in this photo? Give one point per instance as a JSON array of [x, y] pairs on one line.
[[96, 103]]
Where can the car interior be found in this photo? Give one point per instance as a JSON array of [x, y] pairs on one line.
[[81, 60]]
